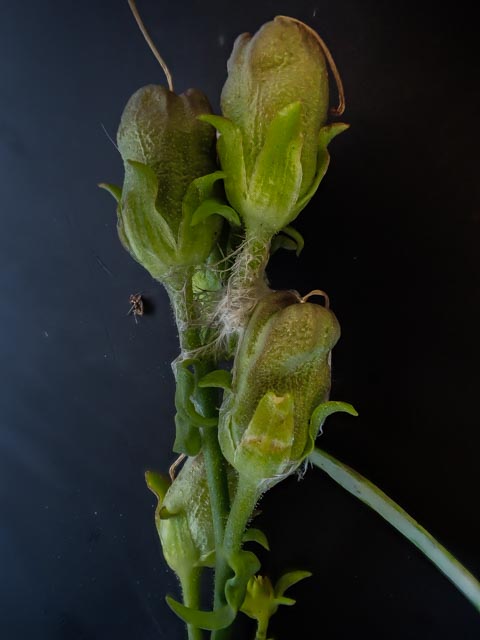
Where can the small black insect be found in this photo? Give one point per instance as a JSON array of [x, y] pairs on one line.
[[136, 302]]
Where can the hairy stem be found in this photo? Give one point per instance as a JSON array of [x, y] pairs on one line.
[[246, 285], [246, 497], [191, 597], [183, 304], [374, 497]]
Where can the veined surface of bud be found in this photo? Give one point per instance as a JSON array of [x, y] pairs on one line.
[[170, 161], [183, 518], [273, 136], [281, 378]]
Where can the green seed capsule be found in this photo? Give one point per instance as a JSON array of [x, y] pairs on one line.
[[167, 153], [281, 377], [273, 136]]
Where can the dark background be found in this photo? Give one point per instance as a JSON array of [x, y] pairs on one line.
[[86, 395]]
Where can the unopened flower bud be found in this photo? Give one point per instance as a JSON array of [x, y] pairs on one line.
[[167, 153], [183, 518], [281, 380], [273, 136]]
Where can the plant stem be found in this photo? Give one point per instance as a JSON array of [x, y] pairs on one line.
[[372, 496], [191, 598], [247, 283], [182, 300], [246, 497]]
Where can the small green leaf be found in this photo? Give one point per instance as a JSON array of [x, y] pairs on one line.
[[230, 150], [188, 439], [288, 602], [325, 136], [215, 206], [282, 242], [112, 189], [287, 581], [326, 409], [256, 535], [296, 237], [244, 564], [157, 483], [220, 378], [183, 398], [277, 176], [210, 620]]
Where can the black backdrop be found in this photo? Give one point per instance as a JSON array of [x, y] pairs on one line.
[[86, 394]]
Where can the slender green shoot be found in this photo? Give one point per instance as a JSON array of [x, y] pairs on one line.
[[372, 496]]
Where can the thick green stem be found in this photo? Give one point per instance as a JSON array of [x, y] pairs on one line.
[[374, 497], [247, 283], [181, 296], [191, 597], [246, 497]]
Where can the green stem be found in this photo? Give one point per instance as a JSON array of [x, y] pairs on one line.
[[191, 597], [247, 282], [246, 497], [182, 299], [372, 496], [262, 629]]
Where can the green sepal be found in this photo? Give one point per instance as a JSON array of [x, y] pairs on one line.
[[265, 448], [158, 484], [319, 415], [244, 564], [288, 580], [183, 397], [215, 206], [210, 620], [282, 242], [325, 136], [296, 236], [276, 179], [220, 378], [165, 514], [288, 602], [289, 239], [230, 151], [188, 439], [112, 189], [256, 535]]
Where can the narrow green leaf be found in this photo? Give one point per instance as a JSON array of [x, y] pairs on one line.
[[230, 151], [188, 439], [288, 602], [277, 175], [215, 206], [288, 580], [157, 483], [377, 500], [256, 535], [326, 135], [282, 242], [296, 237], [112, 189], [326, 409], [220, 378], [210, 620]]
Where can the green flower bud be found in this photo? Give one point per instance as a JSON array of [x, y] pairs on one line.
[[183, 518], [274, 137], [167, 153], [280, 387]]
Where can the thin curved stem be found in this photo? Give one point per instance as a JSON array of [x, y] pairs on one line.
[[374, 497]]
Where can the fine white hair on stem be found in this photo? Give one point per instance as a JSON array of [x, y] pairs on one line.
[[245, 286], [150, 43]]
